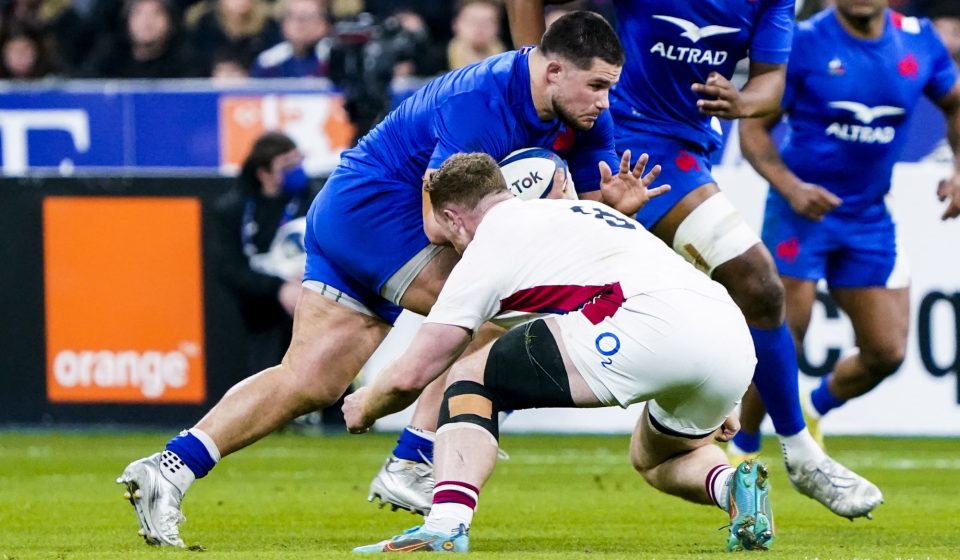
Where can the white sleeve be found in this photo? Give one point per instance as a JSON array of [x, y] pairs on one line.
[[472, 293]]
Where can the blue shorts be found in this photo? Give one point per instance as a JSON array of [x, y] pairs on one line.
[[684, 166], [361, 229], [857, 251]]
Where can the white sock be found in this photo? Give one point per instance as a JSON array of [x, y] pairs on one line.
[[799, 449], [718, 485], [207, 442], [425, 434], [447, 517], [176, 471]]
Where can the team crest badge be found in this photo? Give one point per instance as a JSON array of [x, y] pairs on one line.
[[836, 67]]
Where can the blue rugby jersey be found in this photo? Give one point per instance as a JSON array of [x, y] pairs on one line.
[[673, 44], [485, 107], [848, 102]]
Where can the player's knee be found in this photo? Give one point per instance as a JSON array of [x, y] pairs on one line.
[[884, 361], [761, 298], [469, 402]]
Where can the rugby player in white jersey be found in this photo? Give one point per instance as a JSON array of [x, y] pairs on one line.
[[619, 318]]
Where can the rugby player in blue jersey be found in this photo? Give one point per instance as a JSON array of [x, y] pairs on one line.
[[369, 233], [675, 85], [855, 75]]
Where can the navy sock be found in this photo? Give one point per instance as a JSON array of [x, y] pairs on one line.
[[410, 446], [747, 442], [822, 399], [776, 378], [193, 453]]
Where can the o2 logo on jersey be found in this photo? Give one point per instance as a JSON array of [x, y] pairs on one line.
[[694, 34], [607, 344]]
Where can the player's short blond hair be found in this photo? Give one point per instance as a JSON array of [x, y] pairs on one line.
[[465, 179]]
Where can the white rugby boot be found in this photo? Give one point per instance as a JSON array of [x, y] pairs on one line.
[[404, 485], [843, 491], [155, 500]]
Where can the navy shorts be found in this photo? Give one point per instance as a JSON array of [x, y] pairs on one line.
[[361, 229], [849, 251]]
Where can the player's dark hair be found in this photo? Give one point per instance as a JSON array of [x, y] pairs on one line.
[[580, 37], [267, 147], [465, 179]]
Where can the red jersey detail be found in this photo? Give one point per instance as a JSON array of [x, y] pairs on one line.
[[596, 302], [788, 250], [564, 140], [686, 162], [908, 67]]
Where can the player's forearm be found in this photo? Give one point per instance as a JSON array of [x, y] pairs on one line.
[[526, 21], [431, 352], [763, 91], [389, 394], [759, 149]]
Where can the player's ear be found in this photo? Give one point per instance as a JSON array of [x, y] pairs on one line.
[[555, 70]]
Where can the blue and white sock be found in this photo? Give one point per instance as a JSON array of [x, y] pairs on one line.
[[822, 399], [746, 443], [415, 445], [188, 456], [776, 378]]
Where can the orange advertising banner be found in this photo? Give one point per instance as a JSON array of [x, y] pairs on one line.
[[124, 300], [318, 123]]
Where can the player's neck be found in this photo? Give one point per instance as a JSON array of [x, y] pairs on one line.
[[863, 27], [537, 65]]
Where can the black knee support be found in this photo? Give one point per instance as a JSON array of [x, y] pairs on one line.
[[525, 370], [468, 401]]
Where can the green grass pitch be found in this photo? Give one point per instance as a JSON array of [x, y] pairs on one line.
[[557, 497]]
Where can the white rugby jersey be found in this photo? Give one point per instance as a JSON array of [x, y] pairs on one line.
[[559, 257]]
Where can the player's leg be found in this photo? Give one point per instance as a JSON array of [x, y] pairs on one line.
[[338, 323], [702, 226], [880, 319], [706, 229], [330, 344], [800, 297], [695, 390], [405, 480], [527, 367], [869, 278]]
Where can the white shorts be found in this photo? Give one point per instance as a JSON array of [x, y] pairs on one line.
[[687, 352], [714, 233]]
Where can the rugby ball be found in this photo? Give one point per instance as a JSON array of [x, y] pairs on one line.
[[530, 172]]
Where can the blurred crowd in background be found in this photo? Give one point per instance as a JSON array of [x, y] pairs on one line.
[[369, 49], [235, 39]]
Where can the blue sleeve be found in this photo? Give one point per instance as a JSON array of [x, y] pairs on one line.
[[943, 73], [469, 122], [796, 71], [590, 148], [772, 36]]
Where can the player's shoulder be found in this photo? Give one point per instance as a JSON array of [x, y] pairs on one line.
[[910, 25]]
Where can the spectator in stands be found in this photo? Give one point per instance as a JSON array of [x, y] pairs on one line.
[[259, 227], [24, 54], [476, 29], [244, 25], [305, 50], [271, 192], [423, 58], [60, 27], [151, 47], [230, 65]]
